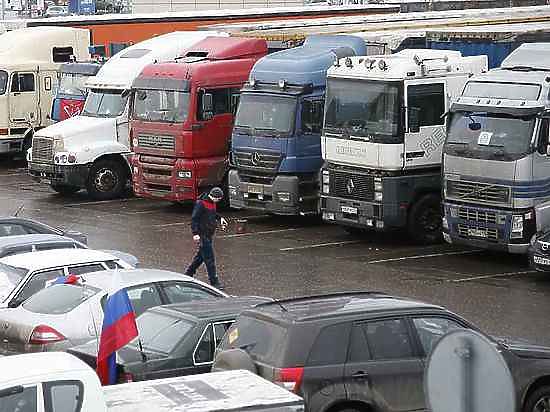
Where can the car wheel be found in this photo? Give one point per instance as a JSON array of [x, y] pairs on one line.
[[65, 189], [424, 225], [107, 180], [538, 401], [232, 359]]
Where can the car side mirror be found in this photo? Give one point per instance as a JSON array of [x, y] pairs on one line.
[[414, 119]]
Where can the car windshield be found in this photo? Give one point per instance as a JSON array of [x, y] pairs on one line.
[[161, 106], [59, 299], [265, 115], [160, 333], [3, 81], [490, 135], [368, 109], [72, 84], [104, 103], [262, 340]]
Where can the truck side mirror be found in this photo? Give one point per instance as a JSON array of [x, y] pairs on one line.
[[414, 119], [207, 106]]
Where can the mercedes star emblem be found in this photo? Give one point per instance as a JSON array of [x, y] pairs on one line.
[[256, 158], [350, 186]]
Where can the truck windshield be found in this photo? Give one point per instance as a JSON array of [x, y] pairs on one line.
[[161, 106], [369, 109], [72, 84], [3, 81], [489, 135], [104, 103], [265, 115]]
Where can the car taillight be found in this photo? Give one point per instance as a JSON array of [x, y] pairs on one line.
[[289, 378], [125, 377], [43, 334]]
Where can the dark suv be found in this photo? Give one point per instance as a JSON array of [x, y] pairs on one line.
[[361, 351]]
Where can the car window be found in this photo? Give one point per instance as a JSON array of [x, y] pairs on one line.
[[143, 297], [180, 292], [324, 351], [204, 352], [431, 329], [83, 269], [389, 339], [13, 229], [17, 400], [58, 299], [63, 396], [219, 331], [37, 282], [161, 333], [112, 264], [358, 346]]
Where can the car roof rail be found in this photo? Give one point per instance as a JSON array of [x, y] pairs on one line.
[[279, 302]]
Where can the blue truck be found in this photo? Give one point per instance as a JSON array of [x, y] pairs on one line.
[[276, 141]]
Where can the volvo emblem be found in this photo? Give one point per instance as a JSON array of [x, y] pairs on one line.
[[256, 158], [350, 186]]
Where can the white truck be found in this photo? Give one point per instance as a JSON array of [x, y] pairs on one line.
[[29, 61], [383, 132], [92, 150], [57, 381]]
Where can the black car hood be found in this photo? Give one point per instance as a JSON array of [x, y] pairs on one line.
[[525, 349]]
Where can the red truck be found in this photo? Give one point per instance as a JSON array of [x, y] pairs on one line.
[[182, 117]]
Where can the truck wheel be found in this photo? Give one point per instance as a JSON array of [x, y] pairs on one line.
[[232, 359], [65, 189], [224, 203], [107, 180], [425, 220], [538, 401]]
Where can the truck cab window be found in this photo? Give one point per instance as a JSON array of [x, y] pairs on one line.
[[22, 82], [3, 81], [543, 137], [427, 103], [312, 116], [221, 99], [62, 54]]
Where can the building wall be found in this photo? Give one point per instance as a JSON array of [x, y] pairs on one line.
[[150, 6]]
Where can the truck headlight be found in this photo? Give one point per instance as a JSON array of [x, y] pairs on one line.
[[326, 177], [284, 197], [517, 227], [63, 158], [377, 184], [184, 174], [378, 196]]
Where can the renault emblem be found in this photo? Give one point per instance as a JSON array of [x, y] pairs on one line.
[[350, 186], [256, 158]]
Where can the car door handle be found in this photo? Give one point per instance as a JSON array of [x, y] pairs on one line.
[[360, 375]]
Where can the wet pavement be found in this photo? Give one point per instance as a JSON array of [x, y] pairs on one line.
[[281, 256]]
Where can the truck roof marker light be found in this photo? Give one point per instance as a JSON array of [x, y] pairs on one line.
[[349, 63], [547, 79], [382, 65], [369, 63], [282, 84], [336, 61]]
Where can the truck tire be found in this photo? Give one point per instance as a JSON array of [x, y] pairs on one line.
[[106, 180], [537, 401], [233, 359], [424, 222], [65, 190]]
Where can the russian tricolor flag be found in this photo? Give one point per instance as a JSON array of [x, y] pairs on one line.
[[66, 280], [119, 328]]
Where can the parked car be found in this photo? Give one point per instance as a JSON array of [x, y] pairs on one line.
[[66, 315], [13, 226], [25, 274], [13, 245], [361, 351], [177, 339], [539, 252]]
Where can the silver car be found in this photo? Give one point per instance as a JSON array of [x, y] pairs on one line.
[[62, 316]]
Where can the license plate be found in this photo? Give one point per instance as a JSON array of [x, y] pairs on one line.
[[256, 189], [349, 210], [541, 260], [477, 232]]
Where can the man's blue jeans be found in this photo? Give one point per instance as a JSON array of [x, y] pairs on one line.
[[205, 255]]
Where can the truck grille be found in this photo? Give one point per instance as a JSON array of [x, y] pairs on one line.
[[491, 233], [477, 215], [351, 185], [480, 192], [157, 141], [42, 149], [257, 160]]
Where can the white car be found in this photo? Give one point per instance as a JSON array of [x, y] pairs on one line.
[[62, 316], [24, 274]]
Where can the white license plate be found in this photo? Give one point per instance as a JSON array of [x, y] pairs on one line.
[[256, 189], [349, 210], [477, 232], [541, 261]]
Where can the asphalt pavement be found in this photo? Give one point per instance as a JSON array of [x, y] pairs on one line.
[[287, 256]]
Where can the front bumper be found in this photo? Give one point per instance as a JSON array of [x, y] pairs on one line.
[[283, 196], [52, 174]]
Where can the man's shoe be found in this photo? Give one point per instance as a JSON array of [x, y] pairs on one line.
[[218, 285]]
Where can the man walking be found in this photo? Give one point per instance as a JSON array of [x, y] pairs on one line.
[[204, 221]]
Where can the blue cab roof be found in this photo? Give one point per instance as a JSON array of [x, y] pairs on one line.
[[307, 63]]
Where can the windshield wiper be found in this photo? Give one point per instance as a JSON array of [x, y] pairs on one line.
[[245, 129]]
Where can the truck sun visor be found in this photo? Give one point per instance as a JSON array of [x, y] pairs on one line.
[[161, 84], [511, 110]]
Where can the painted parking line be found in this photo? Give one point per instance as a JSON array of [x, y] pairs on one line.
[[496, 275], [172, 224], [430, 255], [230, 219], [264, 232], [347, 242], [101, 202]]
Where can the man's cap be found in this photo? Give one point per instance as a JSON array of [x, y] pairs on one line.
[[216, 193]]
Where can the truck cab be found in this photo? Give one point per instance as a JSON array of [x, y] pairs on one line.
[[30, 59], [92, 150], [70, 94], [182, 117], [276, 146], [496, 158], [382, 138]]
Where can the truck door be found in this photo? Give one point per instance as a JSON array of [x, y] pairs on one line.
[[541, 171], [425, 126], [23, 100]]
